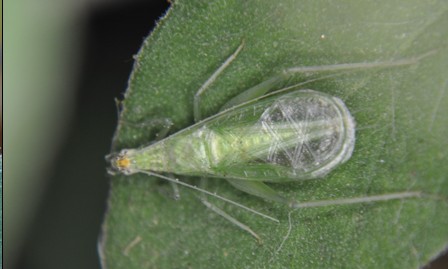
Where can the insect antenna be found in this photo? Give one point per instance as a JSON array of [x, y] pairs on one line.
[[177, 181]]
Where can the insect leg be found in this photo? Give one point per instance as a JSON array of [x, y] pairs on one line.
[[198, 117], [174, 186], [270, 84], [262, 190], [166, 125], [175, 180], [254, 92], [357, 200], [357, 66], [223, 214], [197, 96]]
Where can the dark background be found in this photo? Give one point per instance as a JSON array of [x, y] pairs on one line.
[[65, 229]]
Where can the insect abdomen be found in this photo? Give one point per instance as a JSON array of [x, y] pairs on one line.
[[303, 134]]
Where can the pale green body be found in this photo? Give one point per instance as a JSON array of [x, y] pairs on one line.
[[271, 140]]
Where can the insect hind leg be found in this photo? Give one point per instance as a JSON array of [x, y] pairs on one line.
[[359, 65], [358, 200], [272, 85], [260, 189]]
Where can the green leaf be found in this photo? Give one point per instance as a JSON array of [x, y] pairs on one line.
[[401, 140]]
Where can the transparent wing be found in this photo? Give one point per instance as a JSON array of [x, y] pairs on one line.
[[302, 134]]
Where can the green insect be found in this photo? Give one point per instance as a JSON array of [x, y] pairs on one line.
[[286, 135]]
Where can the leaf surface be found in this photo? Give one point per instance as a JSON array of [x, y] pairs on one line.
[[401, 137]]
